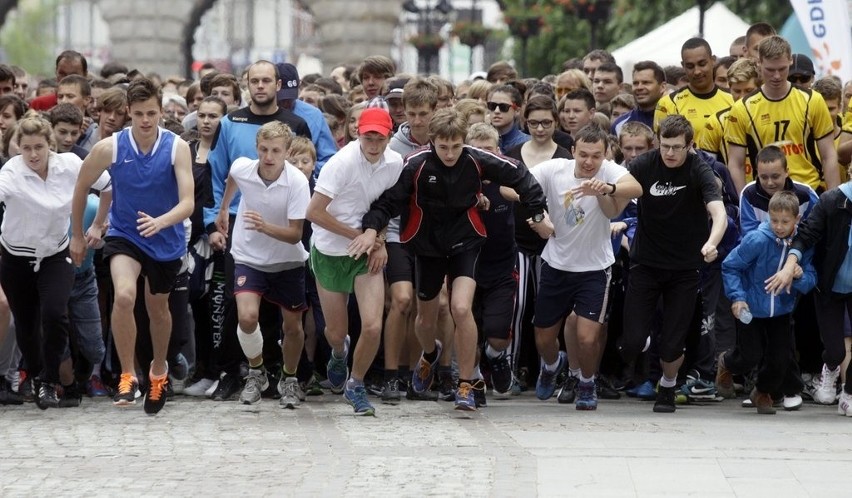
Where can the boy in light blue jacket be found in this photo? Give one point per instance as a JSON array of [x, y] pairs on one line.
[[767, 338]]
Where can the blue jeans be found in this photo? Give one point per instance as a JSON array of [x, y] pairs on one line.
[[86, 317]]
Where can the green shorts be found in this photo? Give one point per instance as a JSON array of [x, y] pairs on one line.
[[337, 273]]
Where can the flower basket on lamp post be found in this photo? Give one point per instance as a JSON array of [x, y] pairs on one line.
[[470, 33], [593, 11], [428, 45], [524, 22]]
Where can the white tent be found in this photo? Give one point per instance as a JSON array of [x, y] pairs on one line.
[[721, 27]]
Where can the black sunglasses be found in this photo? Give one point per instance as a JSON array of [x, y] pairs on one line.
[[798, 79], [503, 107]]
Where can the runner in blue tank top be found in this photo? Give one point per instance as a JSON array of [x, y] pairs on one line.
[[151, 171]]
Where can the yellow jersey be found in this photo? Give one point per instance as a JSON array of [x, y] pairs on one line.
[[713, 140], [794, 123], [697, 108]]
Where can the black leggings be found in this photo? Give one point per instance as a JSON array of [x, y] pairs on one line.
[[39, 304]]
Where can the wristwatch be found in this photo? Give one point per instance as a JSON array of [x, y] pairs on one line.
[[538, 218], [613, 189]]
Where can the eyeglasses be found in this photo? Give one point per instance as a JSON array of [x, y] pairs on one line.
[[544, 123], [798, 79], [672, 148], [492, 106]]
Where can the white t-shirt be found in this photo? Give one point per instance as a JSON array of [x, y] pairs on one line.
[[283, 200], [582, 239], [38, 212], [353, 184]]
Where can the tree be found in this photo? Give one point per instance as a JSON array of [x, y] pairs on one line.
[[564, 36], [31, 21]]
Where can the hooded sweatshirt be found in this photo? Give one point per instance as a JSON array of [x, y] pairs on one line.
[[759, 256]]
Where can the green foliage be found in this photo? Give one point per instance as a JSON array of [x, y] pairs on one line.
[[27, 36], [564, 36]]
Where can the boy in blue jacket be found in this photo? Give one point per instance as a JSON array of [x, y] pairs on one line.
[[765, 340]]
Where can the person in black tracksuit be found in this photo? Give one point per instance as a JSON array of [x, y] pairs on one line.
[[828, 230], [442, 185]]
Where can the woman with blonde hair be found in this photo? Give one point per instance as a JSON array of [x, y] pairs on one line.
[[36, 272]]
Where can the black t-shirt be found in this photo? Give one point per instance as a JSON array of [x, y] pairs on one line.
[[497, 256], [528, 241], [673, 223]]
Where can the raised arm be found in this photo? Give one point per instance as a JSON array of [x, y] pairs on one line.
[[98, 160]]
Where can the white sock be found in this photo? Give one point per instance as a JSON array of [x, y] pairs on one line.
[[574, 372], [667, 382], [553, 366], [492, 353], [477, 374], [586, 380]]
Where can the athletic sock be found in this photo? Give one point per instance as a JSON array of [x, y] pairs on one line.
[[574, 372], [553, 366], [431, 357], [667, 382], [492, 353], [586, 380]]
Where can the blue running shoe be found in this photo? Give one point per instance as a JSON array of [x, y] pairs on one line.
[[338, 370], [644, 391], [465, 399], [587, 396], [421, 377], [357, 397], [546, 384]]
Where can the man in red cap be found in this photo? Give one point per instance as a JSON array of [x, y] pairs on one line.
[[348, 183]]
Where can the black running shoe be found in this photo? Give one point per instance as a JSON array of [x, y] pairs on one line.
[[228, 388], [155, 398], [665, 400], [501, 375], [47, 396], [568, 391], [446, 386], [7, 395], [127, 388], [71, 396], [479, 393], [606, 389], [412, 395], [390, 392]]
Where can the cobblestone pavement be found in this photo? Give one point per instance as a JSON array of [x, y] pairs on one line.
[[519, 447]]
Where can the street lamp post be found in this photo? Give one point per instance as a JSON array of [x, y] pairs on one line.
[[593, 11], [429, 20]]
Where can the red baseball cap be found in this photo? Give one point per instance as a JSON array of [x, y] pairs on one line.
[[375, 119]]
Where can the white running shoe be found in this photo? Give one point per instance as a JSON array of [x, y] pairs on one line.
[[826, 391]]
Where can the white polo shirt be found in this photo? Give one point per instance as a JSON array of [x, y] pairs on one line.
[[38, 212], [353, 184], [283, 200], [582, 239]]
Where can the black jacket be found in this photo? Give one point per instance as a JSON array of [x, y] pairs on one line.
[[441, 218], [827, 229]]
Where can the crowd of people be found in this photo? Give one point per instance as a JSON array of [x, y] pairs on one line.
[[679, 239]]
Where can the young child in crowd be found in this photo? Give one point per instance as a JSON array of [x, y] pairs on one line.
[[765, 336]]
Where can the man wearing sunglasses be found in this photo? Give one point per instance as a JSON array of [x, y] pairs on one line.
[[801, 71], [503, 102], [782, 113]]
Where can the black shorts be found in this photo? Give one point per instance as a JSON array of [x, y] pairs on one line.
[[284, 288], [161, 275], [494, 307], [561, 292], [400, 266], [430, 271]]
